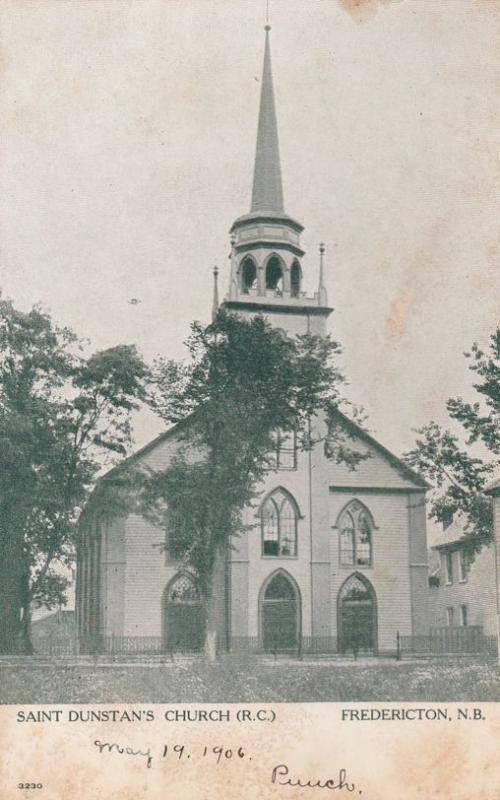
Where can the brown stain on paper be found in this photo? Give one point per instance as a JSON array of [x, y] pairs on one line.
[[396, 318], [363, 10]]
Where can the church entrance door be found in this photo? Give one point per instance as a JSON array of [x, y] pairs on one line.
[[183, 616], [280, 614], [357, 616]]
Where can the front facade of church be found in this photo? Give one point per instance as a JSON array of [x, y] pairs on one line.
[[336, 559]]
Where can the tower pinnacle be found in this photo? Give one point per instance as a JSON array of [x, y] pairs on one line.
[[267, 194], [215, 302]]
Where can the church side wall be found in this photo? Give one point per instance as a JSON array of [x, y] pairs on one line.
[[113, 577], [146, 576]]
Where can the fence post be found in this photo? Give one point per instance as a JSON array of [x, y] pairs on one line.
[[398, 646]]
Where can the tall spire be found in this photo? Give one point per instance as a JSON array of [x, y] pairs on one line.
[[267, 194]]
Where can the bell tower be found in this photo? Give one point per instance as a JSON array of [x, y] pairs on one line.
[[266, 270]]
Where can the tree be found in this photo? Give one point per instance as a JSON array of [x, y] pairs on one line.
[[243, 381], [460, 464], [61, 416]]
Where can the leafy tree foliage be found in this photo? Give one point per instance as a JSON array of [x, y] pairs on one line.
[[459, 466], [61, 416], [242, 382]]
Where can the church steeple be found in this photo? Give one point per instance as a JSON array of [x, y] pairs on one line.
[[267, 194], [266, 271]]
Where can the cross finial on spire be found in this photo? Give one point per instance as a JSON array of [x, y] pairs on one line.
[[215, 303]]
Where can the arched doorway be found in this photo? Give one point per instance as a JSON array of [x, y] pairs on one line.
[[357, 615], [183, 615], [280, 613]]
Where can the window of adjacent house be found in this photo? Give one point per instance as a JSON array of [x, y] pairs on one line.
[[463, 564], [355, 528], [449, 615], [279, 525], [463, 616], [448, 561], [284, 452]]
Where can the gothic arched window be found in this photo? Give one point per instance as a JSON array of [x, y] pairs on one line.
[[356, 527], [295, 278], [279, 516], [183, 590], [248, 275], [274, 274]]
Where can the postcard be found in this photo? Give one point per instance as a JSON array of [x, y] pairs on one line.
[[249, 399]]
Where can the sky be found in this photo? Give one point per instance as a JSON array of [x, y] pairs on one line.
[[128, 134]]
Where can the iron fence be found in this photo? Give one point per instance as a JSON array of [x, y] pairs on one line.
[[448, 640]]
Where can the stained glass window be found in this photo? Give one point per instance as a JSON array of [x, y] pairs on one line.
[[355, 526], [355, 589], [279, 525], [183, 590]]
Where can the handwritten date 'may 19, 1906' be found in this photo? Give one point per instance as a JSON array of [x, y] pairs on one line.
[[280, 774], [181, 752]]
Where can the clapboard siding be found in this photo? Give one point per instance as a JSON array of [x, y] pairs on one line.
[[374, 471], [113, 576], [146, 578]]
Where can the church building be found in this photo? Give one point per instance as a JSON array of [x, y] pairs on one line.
[[336, 558]]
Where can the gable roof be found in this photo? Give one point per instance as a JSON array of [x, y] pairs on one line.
[[397, 463], [452, 534], [353, 428], [145, 450]]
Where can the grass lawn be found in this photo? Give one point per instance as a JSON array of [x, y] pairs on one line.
[[254, 680]]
